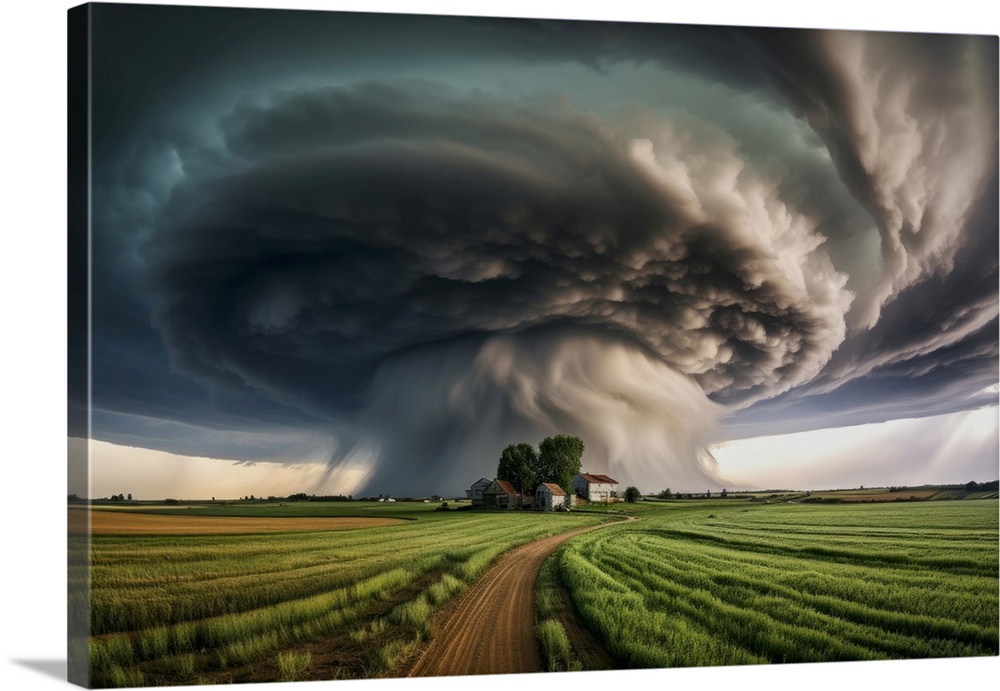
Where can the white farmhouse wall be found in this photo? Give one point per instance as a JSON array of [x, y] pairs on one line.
[[547, 501], [584, 485]]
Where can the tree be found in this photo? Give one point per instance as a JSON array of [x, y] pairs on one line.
[[665, 494], [559, 459], [724, 493], [517, 466], [631, 494]]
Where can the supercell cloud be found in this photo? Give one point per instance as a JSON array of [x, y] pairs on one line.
[[652, 237]]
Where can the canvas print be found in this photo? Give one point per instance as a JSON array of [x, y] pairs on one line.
[[415, 345]]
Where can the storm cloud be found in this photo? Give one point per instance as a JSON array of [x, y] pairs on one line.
[[417, 269], [362, 223]]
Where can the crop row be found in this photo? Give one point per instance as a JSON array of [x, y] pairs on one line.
[[688, 588], [379, 585], [158, 582]]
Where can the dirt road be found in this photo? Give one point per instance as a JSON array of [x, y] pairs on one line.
[[489, 630]]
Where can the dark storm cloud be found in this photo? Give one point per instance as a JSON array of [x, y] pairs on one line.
[[361, 223], [256, 436], [945, 325], [911, 121], [345, 233], [422, 266], [934, 351]]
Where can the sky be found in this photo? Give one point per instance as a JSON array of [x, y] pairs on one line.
[[348, 253]]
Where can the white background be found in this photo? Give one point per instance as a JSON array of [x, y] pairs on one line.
[[32, 335]]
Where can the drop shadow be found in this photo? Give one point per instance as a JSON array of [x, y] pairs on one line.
[[50, 668]]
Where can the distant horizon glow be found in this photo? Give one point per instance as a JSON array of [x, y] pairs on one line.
[[945, 449], [148, 474]]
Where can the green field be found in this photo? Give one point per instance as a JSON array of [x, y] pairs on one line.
[[730, 582], [707, 582], [305, 605]]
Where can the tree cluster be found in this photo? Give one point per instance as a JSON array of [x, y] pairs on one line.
[[302, 496], [557, 460]]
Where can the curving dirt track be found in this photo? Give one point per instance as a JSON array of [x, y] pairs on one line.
[[489, 630]]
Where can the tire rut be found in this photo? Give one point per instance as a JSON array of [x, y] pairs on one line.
[[490, 628]]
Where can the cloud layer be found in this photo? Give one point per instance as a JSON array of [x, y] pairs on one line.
[[360, 223], [660, 227]]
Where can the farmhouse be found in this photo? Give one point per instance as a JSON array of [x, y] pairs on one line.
[[550, 497], [475, 493], [597, 488], [500, 494]]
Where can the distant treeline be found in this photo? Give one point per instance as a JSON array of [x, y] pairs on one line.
[[992, 486], [302, 496]]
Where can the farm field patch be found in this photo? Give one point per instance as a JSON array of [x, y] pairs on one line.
[[223, 608], [724, 582], [690, 583], [132, 523]]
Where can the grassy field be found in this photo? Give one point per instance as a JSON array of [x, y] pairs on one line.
[[733, 582], [695, 582], [181, 609], [874, 494]]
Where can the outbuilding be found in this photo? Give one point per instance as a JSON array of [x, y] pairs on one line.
[[500, 494], [595, 488], [550, 497], [475, 493]]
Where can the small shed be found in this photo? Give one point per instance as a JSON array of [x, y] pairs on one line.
[[500, 494], [475, 493], [550, 497]]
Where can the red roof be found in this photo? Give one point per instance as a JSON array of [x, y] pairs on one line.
[[506, 487], [598, 479], [554, 488]]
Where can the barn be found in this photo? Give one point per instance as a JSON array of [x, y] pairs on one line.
[[596, 488], [500, 494], [550, 497], [475, 493]]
